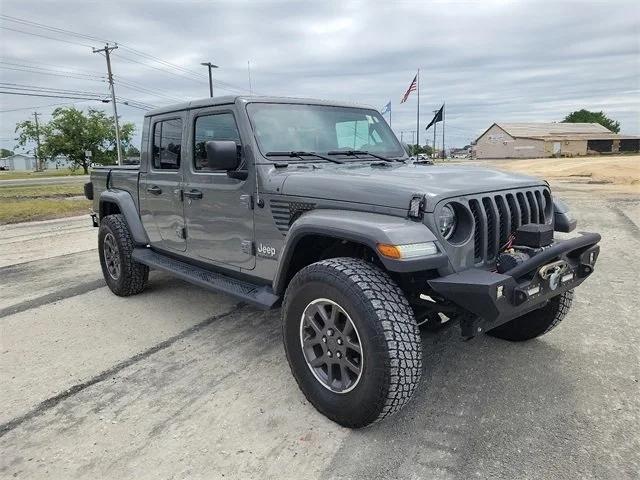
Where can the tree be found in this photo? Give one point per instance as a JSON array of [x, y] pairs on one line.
[[416, 149], [5, 153], [28, 134], [585, 116], [132, 151], [72, 132]]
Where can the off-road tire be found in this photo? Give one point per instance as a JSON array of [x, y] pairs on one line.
[[133, 275], [537, 322], [392, 351]]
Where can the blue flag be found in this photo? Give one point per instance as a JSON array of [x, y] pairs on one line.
[[386, 108]]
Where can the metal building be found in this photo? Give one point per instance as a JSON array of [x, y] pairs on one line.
[[537, 140]]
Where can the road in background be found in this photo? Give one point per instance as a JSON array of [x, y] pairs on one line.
[[178, 382], [44, 180]]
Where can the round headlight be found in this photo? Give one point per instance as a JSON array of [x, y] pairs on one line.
[[447, 221]]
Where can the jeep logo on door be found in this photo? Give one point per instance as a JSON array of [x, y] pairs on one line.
[[266, 251]]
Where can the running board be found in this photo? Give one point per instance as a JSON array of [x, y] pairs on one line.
[[258, 296]]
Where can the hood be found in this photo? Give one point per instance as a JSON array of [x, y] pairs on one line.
[[395, 185]]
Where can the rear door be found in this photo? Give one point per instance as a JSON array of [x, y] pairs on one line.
[[220, 221], [161, 206]]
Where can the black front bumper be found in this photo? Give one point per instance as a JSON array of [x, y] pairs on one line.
[[492, 298]]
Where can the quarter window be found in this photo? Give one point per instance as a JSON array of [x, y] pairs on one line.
[[167, 144], [221, 126]]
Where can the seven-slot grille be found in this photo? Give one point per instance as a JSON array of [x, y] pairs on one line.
[[497, 216]]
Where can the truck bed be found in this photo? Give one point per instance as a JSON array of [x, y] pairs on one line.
[[121, 177]]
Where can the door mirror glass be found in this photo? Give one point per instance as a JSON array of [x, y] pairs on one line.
[[222, 155]]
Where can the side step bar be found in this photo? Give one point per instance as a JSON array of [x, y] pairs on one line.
[[258, 296]]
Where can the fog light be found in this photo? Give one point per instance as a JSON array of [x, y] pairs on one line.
[[567, 278], [533, 290], [500, 291]]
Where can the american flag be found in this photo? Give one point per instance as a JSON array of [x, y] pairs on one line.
[[412, 88]]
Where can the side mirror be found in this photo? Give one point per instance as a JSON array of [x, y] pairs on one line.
[[222, 155]]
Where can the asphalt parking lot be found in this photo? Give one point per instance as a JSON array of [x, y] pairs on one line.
[[181, 383]]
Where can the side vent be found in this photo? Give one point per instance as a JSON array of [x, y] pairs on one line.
[[285, 213]]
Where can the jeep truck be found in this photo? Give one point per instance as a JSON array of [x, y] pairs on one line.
[[314, 207]]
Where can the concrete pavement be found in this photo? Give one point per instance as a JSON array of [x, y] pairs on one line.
[[181, 383]]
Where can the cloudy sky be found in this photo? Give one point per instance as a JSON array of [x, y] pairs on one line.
[[491, 60]]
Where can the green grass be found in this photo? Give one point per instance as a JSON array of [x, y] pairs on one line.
[[14, 210], [61, 190], [5, 175]]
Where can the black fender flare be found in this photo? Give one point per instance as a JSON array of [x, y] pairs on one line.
[[128, 208], [365, 228]]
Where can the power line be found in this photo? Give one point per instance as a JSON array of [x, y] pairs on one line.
[[51, 96], [40, 106], [51, 73], [58, 68], [184, 72], [50, 28], [45, 36]]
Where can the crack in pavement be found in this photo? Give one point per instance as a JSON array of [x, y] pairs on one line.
[[51, 402]]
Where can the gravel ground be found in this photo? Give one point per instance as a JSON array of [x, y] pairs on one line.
[[181, 383]]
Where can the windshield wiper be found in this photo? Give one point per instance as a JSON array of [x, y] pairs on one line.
[[302, 155], [355, 153]]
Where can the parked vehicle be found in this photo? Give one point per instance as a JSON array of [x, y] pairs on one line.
[[312, 206]]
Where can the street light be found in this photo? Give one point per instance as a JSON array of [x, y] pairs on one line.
[[209, 66]]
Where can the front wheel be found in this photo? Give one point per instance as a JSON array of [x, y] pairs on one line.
[[537, 322], [352, 341]]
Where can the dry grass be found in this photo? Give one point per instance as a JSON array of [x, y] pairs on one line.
[[609, 173]]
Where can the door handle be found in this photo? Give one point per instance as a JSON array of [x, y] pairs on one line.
[[156, 190], [193, 194]]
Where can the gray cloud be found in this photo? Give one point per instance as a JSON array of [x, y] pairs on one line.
[[490, 61]]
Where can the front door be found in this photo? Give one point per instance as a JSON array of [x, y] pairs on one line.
[[161, 206], [218, 209]]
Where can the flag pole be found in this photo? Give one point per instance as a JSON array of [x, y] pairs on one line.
[[418, 115], [435, 126], [444, 155]]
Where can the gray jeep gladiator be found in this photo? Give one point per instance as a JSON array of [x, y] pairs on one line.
[[315, 207]]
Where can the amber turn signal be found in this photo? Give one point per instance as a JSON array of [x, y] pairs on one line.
[[389, 251]]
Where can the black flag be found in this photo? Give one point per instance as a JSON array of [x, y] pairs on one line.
[[437, 118]]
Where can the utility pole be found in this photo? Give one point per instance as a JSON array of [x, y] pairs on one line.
[[249, 72], [38, 161], [107, 50], [210, 65]]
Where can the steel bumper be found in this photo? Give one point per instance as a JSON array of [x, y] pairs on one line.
[[492, 298]]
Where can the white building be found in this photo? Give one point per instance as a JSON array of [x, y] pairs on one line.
[[18, 162], [22, 162], [537, 140]]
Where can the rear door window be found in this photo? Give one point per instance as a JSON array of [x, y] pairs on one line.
[[167, 144]]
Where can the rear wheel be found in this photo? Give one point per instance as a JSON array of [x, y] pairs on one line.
[[351, 340], [123, 275], [537, 322]]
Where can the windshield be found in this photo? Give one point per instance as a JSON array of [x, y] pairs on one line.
[[282, 127]]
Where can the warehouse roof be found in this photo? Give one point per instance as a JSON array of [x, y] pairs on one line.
[[559, 131], [548, 129]]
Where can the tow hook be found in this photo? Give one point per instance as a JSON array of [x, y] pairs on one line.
[[552, 273]]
